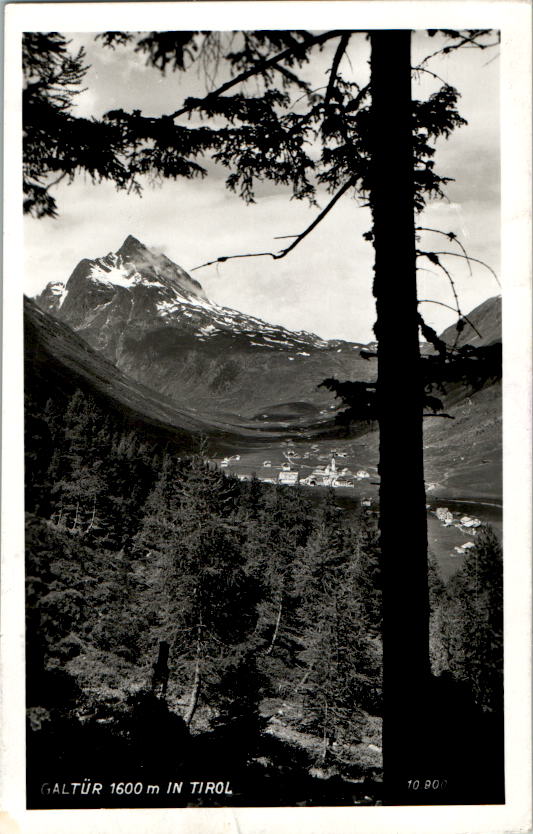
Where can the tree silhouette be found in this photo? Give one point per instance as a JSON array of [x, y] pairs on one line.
[[373, 141], [193, 580], [57, 144]]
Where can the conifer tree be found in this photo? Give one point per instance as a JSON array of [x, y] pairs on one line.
[[284, 525], [341, 660], [78, 486], [58, 144], [195, 579], [475, 622]]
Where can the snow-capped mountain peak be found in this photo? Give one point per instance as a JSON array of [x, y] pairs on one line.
[[159, 289], [155, 322]]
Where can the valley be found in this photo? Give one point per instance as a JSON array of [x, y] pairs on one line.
[[135, 327]]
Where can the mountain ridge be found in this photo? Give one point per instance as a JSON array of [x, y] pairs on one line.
[[189, 369], [155, 322], [58, 362]]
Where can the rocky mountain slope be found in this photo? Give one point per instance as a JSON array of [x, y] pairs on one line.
[[57, 362], [155, 323]]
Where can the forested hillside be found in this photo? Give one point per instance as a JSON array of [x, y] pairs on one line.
[[183, 624]]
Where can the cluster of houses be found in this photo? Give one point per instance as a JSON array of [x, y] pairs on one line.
[[328, 475], [446, 517], [464, 524]]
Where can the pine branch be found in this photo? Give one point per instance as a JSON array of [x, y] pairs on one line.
[[471, 38], [298, 238], [341, 49], [257, 69]]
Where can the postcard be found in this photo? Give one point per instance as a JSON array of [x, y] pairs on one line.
[[267, 394]]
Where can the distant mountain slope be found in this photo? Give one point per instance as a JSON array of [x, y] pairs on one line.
[[463, 456], [152, 320], [487, 329], [58, 362]]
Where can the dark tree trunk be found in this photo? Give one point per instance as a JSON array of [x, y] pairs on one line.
[[161, 670], [403, 523], [195, 691]]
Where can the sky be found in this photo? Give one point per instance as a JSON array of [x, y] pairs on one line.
[[324, 285]]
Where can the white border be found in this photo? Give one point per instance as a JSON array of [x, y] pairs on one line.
[[514, 20]]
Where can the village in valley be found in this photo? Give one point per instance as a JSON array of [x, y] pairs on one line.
[[312, 466], [290, 471]]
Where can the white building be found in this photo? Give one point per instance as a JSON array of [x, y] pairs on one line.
[[344, 482], [323, 475], [444, 515], [328, 476], [289, 477], [466, 521]]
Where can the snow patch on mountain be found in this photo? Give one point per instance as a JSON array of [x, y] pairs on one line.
[[116, 275], [168, 308], [162, 291], [59, 291]]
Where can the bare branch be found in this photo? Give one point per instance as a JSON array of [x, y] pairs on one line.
[[56, 181], [448, 307], [320, 217], [430, 414], [225, 258], [440, 303], [423, 269], [420, 68], [298, 238], [469, 258], [433, 258], [451, 236]]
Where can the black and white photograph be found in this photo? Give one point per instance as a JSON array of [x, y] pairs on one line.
[[257, 268]]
